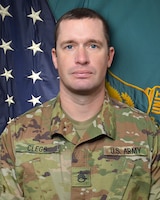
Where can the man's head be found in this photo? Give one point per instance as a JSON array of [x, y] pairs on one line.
[[82, 54], [80, 13]]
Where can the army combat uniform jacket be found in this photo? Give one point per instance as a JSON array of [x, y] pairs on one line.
[[44, 158]]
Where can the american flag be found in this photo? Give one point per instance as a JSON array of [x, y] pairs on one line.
[[27, 75]]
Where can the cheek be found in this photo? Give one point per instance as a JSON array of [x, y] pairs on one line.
[[100, 59], [62, 67], [60, 63], [101, 65], [102, 70], [63, 61]]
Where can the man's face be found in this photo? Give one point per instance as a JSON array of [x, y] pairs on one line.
[[82, 55]]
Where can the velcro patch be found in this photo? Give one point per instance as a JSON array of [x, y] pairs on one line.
[[126, 151], [81, 177], [37, 148]]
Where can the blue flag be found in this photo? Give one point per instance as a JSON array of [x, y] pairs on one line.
[[27, 75]]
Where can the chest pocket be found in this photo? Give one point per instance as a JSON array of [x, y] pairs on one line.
[[129, 169], [39, 171]]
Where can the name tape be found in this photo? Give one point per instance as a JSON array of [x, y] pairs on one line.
[[129, 150]]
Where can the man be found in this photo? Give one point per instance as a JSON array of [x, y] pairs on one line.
[[82, 144]]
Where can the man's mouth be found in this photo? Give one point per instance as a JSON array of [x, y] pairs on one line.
[[82, 74]]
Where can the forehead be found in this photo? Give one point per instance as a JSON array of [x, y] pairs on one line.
[[81, 28]]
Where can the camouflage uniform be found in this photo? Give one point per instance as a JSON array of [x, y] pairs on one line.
[[43, 157]]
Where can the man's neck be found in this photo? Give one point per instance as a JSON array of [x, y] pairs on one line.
[[81, 107]]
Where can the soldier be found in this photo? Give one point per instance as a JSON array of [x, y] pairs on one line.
[[81, 144]]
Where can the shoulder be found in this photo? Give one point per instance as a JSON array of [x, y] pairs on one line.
[[125, 109], [31, 118], [38, 110], [130, 115]]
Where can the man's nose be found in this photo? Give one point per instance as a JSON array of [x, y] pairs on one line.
[[82, 56]]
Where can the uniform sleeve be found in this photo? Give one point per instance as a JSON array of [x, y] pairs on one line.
[[9, 187], [155, 169]]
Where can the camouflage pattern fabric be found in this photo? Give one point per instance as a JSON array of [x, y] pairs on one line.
[[43, 157]]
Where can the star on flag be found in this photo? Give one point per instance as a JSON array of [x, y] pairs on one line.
[[35, 16], [34, 100], [4, 12], [7, 74], [35, 47], [6, 46], [35, 76]]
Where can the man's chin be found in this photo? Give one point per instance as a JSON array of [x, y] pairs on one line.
[[84, 92]]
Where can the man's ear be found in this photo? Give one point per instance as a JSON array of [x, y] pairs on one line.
[[54, 57], [110, 56]]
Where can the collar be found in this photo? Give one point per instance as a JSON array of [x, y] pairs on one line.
[[104, 124]]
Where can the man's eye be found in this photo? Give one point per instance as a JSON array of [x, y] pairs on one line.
[[69, 46], [93, 46]]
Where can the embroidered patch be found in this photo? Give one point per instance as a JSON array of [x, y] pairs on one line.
[[37, 148], [81, 176], [128, 150]]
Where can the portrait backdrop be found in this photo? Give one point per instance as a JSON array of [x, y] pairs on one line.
[[27, 74]]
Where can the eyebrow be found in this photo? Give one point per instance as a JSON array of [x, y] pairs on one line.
[[87, 41], [67, 42], [95, 41]]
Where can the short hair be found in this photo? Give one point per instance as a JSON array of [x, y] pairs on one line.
[[81, 13]]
